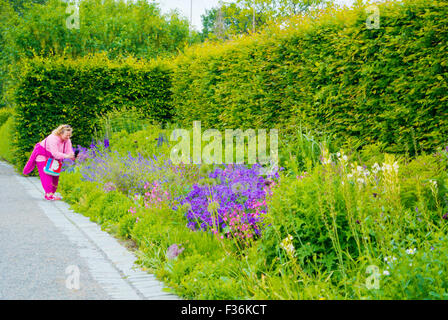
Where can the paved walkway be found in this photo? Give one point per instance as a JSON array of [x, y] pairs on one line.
[[47, 251]]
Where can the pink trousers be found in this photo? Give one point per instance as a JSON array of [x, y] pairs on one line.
[[49, 183]]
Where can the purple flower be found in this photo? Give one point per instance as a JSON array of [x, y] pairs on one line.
[[109, 186], [445, 216], [173, 251], [235, 188]]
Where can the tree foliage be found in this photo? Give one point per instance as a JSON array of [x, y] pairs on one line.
[[246, 16], [116, 27], [330, 72]]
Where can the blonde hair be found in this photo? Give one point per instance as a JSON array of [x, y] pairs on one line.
[[61, 129]]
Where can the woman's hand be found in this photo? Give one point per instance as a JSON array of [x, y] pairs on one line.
[[71, 156]]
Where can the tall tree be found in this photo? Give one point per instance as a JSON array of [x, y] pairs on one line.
[[19, 5], [8, 18], [116, 27], [246, 16], [293, 7]]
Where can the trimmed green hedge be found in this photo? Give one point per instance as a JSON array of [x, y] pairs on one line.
[[332, 73], [5, 113], [6, 139], [50, 92]]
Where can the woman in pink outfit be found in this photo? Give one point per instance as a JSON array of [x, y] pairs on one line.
[[56, 145]]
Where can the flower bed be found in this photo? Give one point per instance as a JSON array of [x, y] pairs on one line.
[[227, 232]]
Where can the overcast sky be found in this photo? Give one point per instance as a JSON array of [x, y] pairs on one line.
[[198, 7]]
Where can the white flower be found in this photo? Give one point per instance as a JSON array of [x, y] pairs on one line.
[[390, 259], [411, 251], [287, 245], [387, 167], [386, 273], [395, 165], [376, 168], [360, 180], [349, 176]]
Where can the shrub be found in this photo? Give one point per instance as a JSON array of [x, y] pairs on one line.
[[5, 113], [385, 86], [6, 140], [61, 90]]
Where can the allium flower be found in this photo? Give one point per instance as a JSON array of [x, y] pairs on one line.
[[173, 251], [249, 201], [213, 206], [109, 186], [237, 187]]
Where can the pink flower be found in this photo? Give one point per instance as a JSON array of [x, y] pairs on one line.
[[174, 251]]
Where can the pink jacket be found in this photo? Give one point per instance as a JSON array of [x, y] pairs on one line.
[[59, 149], [31, 164]]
